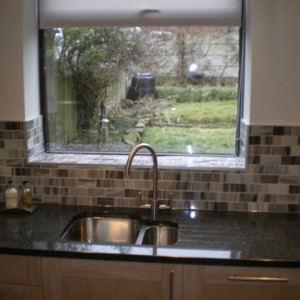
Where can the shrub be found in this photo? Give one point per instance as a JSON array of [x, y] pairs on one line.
[[198, 94]]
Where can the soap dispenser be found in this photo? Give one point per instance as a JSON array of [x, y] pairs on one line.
[[25, 196], [11, 196]]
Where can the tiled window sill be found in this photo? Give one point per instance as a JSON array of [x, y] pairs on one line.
[[195, 162], [37, 155]]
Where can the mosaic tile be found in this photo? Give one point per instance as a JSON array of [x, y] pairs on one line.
[[13, 126], [260, 130], [269, 180], [294, 208], [294, 189], [282, 130], [295, 151]]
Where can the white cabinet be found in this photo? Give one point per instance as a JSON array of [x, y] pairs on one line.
[[34, 278], [20, 278], [72, 279], [240, 283]]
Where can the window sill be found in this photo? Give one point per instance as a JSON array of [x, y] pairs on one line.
[[200, 162]]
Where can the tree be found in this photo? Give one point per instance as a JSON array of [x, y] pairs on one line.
[[94, 58]]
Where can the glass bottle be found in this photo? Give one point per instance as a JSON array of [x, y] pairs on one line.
[[25, 196], [11, 196]]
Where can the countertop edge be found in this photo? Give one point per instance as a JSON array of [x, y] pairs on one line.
[[152, 259]]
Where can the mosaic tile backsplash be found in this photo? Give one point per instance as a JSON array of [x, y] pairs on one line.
[[265, 178]]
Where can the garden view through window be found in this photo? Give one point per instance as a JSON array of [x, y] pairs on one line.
[[110, 88]]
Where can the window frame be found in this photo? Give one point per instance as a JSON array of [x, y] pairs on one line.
[[240, 97]]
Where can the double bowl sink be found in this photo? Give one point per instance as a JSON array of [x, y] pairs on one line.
[[120, 229]]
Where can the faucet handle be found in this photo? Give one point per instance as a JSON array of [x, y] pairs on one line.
[[167, 204], [171, 200], [140, 200]]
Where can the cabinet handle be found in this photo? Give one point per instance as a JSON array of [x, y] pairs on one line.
[[172, 274], [254, 278]]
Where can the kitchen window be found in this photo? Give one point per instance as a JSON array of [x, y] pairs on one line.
[[168, 74]]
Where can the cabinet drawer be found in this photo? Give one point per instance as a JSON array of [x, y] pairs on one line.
[[252, 276]]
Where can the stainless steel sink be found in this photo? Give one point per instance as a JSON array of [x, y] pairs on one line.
[[103, 229], [120, 229], [159, 235]]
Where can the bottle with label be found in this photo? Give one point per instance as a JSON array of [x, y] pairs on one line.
[[25, 196], [11, 196]]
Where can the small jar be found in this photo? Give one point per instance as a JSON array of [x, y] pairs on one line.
[[25, 195], [11, 196]]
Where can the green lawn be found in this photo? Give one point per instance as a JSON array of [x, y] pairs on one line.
[[211, 128], [213, 113]]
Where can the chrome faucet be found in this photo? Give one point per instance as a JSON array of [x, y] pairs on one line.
[[154, 205]]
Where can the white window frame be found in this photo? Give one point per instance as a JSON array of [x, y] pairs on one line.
[[64, 13]]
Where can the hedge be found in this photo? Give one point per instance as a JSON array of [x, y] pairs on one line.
[[197, 94]]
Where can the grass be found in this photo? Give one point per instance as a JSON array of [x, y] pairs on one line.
[[216, 113], [201, 140], [198, 93], [212, 129], [177, 127]]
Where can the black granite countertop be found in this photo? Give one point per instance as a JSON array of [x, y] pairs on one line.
[[205, 237]]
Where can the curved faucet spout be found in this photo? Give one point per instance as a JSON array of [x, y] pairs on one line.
[[154, 159]]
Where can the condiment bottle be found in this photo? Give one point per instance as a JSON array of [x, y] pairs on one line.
[[11, 196], [25, 195]]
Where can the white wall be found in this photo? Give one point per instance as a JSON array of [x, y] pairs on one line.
[[19, 93], [11, 61], [273, 64], [273, 86], [30, 60]]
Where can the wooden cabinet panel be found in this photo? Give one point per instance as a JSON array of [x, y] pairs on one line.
[[20, 270], [291, 293], [239, 292], [240, 283], [110, 269], [234, 283], [220, 275], [17, 292], [20, 278], [193, 282], [34, 278], [250, 292], [32, 293], [90, 288], [65, 279]]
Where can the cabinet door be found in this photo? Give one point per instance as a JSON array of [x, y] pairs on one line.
[[19, 269], [72, 279], [17, 292], [20, 277], [227, 283], [193, 282], [172, 278]]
